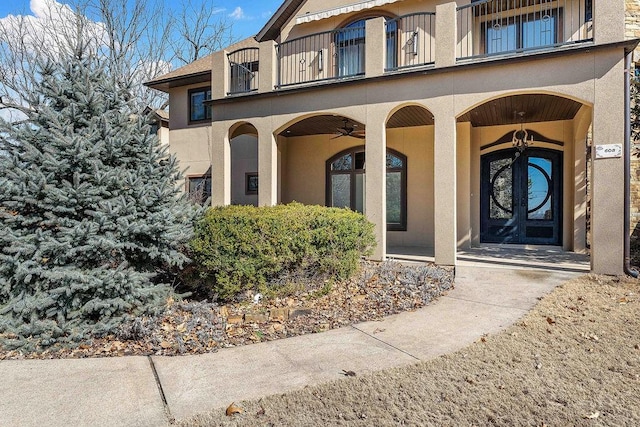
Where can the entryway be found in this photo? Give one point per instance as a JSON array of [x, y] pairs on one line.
[[521, 197]]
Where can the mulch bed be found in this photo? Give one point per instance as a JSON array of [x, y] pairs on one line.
[[195, 327]]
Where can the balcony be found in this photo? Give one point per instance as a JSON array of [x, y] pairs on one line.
[[339, 54], [483, 29], [243, 70], [498, 27]]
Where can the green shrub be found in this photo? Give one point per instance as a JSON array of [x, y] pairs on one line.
[[240, 248]]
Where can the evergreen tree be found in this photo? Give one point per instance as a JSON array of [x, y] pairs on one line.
[[91, 219]]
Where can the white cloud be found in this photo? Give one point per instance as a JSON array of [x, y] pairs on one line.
[[237, 13], [49, 27]]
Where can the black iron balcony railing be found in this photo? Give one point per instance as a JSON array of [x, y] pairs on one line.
[[410, 41], [244, 69], [495, 27], [322, 56]]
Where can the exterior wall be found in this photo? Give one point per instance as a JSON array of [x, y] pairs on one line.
[[306, 179], [190, 143], [446, 170], [417, 143], [632, 31], [446, 95], [244, 159]]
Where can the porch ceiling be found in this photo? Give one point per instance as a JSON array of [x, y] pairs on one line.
[[536, 108], [329, 124]]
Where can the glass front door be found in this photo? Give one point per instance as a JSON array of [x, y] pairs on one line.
[[521, 197]]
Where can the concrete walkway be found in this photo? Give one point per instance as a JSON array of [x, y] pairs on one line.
[[152, 391]]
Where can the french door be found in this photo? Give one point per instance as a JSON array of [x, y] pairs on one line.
[[521, 197]]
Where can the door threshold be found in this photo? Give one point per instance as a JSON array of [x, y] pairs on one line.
[[521, 246]]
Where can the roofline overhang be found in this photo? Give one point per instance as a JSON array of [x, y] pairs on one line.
[[628, 45], [165, 84], [268, 32]]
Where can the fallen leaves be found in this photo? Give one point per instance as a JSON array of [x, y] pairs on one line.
[[592, 416], [233, 409], [195, 327]]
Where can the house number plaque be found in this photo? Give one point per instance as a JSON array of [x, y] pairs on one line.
[[608, 151]]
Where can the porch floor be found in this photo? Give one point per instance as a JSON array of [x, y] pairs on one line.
[[505, 256]]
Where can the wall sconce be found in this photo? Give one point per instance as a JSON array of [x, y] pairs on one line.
[[414, 42]]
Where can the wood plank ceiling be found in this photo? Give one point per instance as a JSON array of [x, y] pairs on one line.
[[536, 108], [501, 111]]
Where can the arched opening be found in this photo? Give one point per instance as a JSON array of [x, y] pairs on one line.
[[527, 157], [410, 131], [243, 140], [305, 145]]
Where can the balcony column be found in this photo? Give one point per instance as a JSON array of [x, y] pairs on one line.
[[607, 174], [220, 164], [219, 74], [375, 47], [608, 21], [446, 42], [267, 167], [268, 63], [445, 183], [375, 179]]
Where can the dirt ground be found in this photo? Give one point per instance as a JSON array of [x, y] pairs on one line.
[[574, 360]]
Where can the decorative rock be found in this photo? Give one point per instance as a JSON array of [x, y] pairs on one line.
[[224, 311], [279, 314], [235, 319], [297, 312], [256, 318]]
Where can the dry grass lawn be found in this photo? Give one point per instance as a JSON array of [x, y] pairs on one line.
[[572, 361]]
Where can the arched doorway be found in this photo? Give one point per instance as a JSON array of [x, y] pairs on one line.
[[528, 183], [244, 165], [521, 197]]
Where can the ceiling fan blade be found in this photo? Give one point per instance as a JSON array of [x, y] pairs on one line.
[[337, 136]]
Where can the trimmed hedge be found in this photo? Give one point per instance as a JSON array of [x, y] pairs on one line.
[[240, 248]]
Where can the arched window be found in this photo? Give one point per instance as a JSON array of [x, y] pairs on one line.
[[346, 184], [350, 47]]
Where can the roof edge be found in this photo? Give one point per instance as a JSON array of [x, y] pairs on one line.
[[266, 33], [155, 84]]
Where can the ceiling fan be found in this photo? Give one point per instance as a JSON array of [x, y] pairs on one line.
[[349, 129]]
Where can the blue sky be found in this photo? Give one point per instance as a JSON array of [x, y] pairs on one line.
[[248, 16]]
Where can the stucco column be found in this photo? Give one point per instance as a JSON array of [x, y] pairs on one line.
[[220, 164], [267, 167], [375, 47], [268, 64], [607, 175], [445, 183], [608, 21], [446, 40], [219, 74], [375, 180]]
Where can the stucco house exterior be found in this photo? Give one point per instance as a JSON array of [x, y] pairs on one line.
[[450, 124]]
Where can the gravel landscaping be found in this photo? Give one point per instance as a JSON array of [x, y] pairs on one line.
[[193, 327]]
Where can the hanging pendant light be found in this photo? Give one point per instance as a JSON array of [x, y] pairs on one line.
[[521, 139]]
